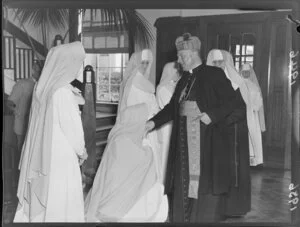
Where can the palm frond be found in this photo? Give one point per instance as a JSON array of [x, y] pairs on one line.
[[114, 19], [129, 19], [56, 18], [139, 27]]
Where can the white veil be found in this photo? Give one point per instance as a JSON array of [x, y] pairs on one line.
[[230, 71], [132, 76], [253, 79]]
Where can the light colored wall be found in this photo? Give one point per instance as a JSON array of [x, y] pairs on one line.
[[153, 14]]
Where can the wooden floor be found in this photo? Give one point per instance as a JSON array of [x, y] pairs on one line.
[[269, 198]]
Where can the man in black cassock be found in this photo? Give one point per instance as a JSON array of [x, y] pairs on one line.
[[198, 169]]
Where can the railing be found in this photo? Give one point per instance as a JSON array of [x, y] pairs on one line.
[[9, 62], [24, 60], [9, 45], [18, 59]]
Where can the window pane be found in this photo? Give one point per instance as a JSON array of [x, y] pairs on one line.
[[109, 69], [250, 59], [237, 60], [250, 50], [243, 59], [103, 96], [103, 76], [125, 59], [115, 92], [243, 49], [102, 60], [237, 49], [99, 42], [103, 93], [115, 60], [112, 42], [116, 76], [237, 66], [87, 42], [122, 41], [126, 40]]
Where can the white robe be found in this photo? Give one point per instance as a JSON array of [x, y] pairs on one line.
[[65, 194], [163, 95], [127, 186], [153, 206], [255, 141]]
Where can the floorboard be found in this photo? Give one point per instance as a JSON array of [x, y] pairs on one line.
[[270, 190]]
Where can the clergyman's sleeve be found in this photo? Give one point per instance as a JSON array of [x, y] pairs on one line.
[[230, 99], [167, 113]]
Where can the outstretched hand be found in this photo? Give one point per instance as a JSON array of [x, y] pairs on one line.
[[83, 157]]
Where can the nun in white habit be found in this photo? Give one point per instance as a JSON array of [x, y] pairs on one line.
[[50, 186], [128, 183], [164, 93], [256, 120]]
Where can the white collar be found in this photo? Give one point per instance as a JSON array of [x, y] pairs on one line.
[[191, 70]]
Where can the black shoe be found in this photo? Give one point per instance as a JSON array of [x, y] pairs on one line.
[[258, 167]]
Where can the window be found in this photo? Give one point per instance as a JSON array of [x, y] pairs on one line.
[[109, 69], [242, 49], [107, 52]]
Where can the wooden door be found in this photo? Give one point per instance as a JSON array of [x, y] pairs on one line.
[[168, 29], [265, 42], [278, 109], [242, 40]]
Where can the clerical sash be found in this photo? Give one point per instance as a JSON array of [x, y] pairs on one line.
[[191, 111]]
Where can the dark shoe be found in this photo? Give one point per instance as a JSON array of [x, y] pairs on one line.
[[258, 167]]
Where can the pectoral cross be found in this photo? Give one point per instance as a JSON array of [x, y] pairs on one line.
[[185, 92]]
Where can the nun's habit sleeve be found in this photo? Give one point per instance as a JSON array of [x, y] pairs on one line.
[[70, 120]]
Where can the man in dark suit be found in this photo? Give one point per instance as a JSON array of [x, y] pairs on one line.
[[198, 169]]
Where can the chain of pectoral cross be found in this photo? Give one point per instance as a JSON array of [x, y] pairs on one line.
[[186, 91]]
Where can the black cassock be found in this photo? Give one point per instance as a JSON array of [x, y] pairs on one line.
[[215, 96]]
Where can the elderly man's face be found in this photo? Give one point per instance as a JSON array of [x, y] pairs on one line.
[[185, 58]]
